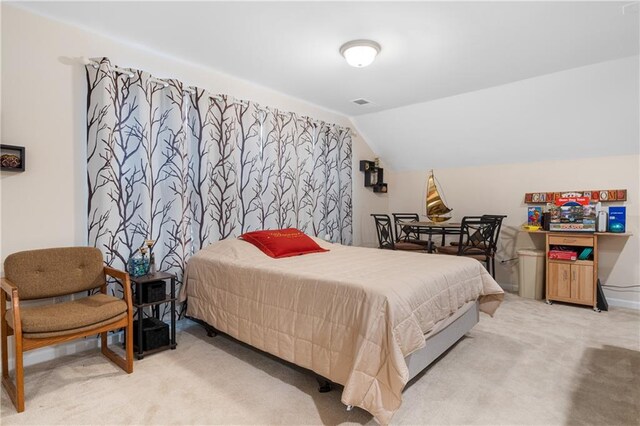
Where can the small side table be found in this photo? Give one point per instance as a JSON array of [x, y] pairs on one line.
[[138, 283]]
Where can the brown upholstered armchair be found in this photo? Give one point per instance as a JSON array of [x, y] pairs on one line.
[[50, 273]]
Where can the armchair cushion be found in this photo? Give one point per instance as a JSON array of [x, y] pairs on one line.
[[69, 317], [55, 272]]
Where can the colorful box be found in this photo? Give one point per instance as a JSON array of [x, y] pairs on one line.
[[534, 216], [563, 255], [617, 219], [573, 214]]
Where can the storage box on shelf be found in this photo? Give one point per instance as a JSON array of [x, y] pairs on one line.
[[154, 291], [155, 334], [149, 293]]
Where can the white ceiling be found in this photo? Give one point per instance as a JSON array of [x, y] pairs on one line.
[[429, 50]]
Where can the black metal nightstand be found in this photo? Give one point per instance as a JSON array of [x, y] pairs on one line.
[[149, 333]]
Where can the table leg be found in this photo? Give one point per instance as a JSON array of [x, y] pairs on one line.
[[430, 246]]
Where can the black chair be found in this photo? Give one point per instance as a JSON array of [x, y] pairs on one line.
[[476, 240], [385, 236], [406, 233], [498, 218]]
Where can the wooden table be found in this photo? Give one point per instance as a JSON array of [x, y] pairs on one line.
[[431, 228]]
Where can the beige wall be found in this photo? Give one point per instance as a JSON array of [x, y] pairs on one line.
[[43, 109], [500, 189]]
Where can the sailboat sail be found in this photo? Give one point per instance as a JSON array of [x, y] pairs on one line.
[[436, 208]]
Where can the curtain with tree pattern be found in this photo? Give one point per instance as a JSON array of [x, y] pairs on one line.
[[186, 168]]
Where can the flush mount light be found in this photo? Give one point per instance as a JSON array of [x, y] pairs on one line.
[[360, 53]]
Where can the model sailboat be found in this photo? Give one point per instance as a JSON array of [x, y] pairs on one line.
[[437, 210]]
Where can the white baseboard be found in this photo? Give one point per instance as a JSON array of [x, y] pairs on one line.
[[622, 303], [510, 287], [619, 303]]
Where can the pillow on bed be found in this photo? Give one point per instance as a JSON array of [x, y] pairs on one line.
[[282, 242]]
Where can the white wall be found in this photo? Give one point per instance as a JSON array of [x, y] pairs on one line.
[[584, 112], [43, 108]]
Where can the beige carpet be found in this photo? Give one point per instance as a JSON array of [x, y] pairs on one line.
[[531, 364]]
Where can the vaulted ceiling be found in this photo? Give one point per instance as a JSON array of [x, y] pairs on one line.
[[430, 50]]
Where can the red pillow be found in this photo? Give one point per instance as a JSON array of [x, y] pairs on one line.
[[282, 242]]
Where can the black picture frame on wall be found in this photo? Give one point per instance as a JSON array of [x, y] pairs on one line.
[[8, 154]]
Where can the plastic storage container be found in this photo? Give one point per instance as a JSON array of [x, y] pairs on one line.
[[531, 274]]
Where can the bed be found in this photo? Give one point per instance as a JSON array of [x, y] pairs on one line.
[[365, 318]]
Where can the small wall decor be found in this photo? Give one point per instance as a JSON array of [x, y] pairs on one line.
[[603, 195], [12, 158], [373, 175]]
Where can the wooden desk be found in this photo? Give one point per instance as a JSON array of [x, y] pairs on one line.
[[573, 281]]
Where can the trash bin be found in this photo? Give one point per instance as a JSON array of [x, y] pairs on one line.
[[531, 274]]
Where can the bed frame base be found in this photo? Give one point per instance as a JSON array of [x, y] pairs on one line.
[[324, 385], [442, 341], [417, 361], [211, 331]]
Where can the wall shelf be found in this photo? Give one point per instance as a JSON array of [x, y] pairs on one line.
[[373, 176]]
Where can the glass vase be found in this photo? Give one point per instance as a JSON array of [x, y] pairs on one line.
[[138, 266]]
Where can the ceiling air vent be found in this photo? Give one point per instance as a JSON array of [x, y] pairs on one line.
[[361, 101]]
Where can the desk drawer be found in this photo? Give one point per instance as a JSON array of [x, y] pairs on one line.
[[569, 240]]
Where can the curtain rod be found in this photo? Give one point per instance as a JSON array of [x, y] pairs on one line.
[[164, 83], [189, 89], [115, 68]]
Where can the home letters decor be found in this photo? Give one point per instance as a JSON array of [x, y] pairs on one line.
[[603, 195]]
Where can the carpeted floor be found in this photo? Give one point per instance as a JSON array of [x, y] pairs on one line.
[[531, 364]]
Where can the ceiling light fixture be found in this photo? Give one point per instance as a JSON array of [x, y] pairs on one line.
[[360, 53]]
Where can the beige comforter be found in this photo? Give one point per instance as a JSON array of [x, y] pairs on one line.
[[351, 314]]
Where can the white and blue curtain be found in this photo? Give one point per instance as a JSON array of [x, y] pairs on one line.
[[186, 168]]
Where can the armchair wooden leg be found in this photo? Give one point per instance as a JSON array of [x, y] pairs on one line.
[[19, 376], [15, 391], [5, 333], [129, 343], [125, 363]]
